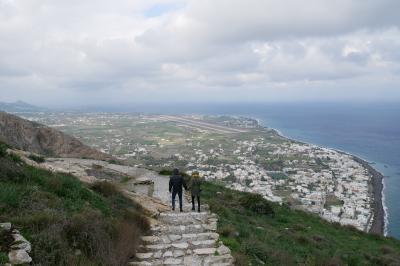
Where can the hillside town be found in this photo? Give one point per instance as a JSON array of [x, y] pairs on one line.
[[339, 193]]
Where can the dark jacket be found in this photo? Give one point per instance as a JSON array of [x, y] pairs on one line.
[[176, 182], [195, 186]]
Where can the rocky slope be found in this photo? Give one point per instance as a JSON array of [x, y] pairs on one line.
[[33, 137]]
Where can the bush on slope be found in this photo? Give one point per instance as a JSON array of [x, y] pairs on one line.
[[279, 235], [67, 222]]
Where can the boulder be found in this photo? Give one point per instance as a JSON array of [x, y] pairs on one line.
[[20, 243], [19, 256]]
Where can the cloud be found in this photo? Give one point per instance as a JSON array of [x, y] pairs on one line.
[[185, 50]]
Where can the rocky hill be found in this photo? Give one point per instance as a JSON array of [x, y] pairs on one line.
[[20, 107], [34, 137]]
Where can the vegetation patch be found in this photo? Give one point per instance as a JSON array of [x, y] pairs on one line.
[[332, 200], [3, 149], [3, 258], [37, 158], [264, 233], [67, 222], [278, 176], [165, 172]]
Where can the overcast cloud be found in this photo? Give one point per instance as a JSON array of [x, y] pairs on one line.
[[105, 52]]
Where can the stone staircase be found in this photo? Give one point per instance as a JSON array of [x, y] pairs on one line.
[[187, 238]]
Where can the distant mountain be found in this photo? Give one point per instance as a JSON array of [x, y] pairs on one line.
[[20, 107], [34, 137]]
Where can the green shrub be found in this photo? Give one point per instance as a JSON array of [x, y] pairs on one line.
[[87, 231], [10, 171], [36, 158], [303, 240], [257, 204], [3, 149], [105, 188], [165, 172], [227, 230], [255, 248], [113, 161], [15, 158], [39, 220], [10, 196], [3, 258], [386, 250], [278, 176], [232, 243], [299, 227], [241, 259]]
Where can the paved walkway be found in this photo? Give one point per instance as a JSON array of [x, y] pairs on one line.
[[187, 238]]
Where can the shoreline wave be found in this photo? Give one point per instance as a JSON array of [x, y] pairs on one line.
[[386, 210]]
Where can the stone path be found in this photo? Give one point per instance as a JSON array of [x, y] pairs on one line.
[[187, 238]]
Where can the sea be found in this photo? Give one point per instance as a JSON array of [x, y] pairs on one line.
[[370, 131]]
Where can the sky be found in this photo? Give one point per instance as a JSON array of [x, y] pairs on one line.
[[101, 52]]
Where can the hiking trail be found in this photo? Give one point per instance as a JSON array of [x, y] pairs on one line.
[[182, 238]]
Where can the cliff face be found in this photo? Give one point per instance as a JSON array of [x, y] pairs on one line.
[[34, 137]]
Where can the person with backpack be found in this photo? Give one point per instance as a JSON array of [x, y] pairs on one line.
[[195, 189]]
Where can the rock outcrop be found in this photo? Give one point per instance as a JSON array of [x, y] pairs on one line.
[[33, 137], [19, 248]]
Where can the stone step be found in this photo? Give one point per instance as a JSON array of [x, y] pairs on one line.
[[198, 244], [182, 214], [184, 229], [192, 260], [184, 238], [184, 218], [168, 239], [188, 208]]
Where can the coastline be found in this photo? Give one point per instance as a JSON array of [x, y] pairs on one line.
[[379, 223]]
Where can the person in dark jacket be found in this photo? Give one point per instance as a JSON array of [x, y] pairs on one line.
[[176, 182], [195, 189]]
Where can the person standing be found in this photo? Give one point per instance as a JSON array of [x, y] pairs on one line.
[[195, 189], [176, 182]]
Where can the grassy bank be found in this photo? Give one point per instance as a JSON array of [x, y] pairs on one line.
[[67, 222], [260, 232]]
